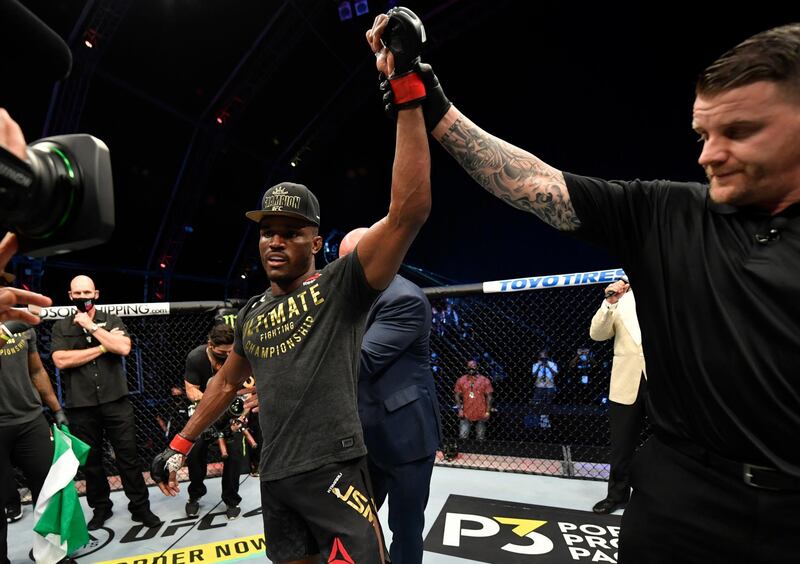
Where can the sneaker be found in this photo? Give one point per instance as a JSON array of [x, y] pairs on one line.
[[192, 507], [233, 512], [147, 518], [13, 513]]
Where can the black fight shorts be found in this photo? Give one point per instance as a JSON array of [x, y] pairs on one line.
[[327, 511]]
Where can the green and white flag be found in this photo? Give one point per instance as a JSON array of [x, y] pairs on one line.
[[60, 526]]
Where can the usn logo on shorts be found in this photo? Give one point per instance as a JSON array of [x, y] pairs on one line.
[[354, 498]]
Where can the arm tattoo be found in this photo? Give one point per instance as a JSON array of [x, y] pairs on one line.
[[511, 174]]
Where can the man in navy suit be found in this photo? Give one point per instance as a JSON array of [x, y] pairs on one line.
[[398, 407]]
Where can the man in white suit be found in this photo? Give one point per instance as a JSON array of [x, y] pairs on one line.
[[617, 318]]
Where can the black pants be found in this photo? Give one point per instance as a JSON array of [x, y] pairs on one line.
[[28, 447], [626, 422], [231, 469], [117, 420], [407, 486], [683, 511], [13, 498]]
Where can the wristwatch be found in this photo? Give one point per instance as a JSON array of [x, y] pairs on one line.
[[93, 328]]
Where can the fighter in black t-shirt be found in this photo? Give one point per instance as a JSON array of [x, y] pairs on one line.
[[716, 271], [301, 340]]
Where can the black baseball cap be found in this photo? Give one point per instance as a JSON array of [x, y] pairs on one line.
[[288, 199]]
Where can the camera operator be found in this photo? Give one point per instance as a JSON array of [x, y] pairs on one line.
[[201, 365], [12, 140]]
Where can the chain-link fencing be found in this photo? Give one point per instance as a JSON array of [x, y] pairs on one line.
[[155, 369], [549, 380]]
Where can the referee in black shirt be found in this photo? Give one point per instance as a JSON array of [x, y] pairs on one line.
[[718, 268]]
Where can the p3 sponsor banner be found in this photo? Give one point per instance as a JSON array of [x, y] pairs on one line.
[[492, 531], [121, 310], [553, 281]]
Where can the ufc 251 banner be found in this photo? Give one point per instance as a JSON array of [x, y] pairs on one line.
[[505, 532]]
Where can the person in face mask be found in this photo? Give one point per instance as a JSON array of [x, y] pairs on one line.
[[201, 365], [473, 394], [88, 348]]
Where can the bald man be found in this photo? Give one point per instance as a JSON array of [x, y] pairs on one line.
[[398, 408], [88, 348]]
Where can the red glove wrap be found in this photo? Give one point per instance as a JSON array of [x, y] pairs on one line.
[[407, 88], [181, 444]]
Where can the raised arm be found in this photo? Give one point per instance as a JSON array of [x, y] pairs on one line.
[[508, 172], [383, 248], [513, 175]]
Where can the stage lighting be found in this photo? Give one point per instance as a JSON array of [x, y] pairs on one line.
[[345, 11]]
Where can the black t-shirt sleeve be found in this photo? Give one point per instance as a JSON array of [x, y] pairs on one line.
[[193, 372], [633, 218], [360, 291], [58, 342], [114, 322], [614, 214]]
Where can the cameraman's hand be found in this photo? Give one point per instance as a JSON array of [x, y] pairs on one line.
[[11, 138], [9, 297]]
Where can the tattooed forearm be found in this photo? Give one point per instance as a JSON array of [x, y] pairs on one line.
[[511, 174]]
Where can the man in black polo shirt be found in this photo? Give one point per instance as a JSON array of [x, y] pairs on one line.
[[88, 348], [717, 267]]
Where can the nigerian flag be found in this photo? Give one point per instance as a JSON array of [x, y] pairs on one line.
[[60, 526]]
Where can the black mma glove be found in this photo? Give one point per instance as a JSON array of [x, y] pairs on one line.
[[434, 105], [413, 82], [61, 418], [404, 36], [170, 460]]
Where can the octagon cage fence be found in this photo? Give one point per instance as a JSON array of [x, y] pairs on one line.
[[504, 326]]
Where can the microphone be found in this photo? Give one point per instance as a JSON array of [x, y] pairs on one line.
[[774, 234], [28, 45], [610, 293]]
